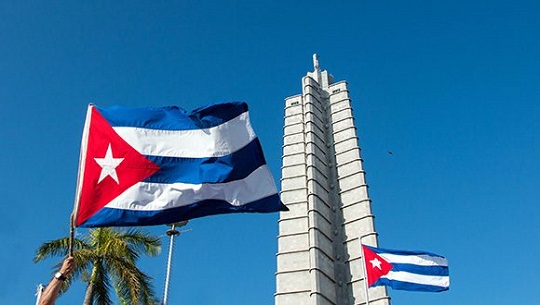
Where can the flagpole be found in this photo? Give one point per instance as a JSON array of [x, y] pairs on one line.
[[71, 233], [171, 233], [366, 287]]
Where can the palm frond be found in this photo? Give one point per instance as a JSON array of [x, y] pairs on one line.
[[133, 284], [142, 242], [147, 295], [101, 285], [58, 247], [126, 278]]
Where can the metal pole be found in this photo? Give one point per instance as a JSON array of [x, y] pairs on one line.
[[171, 233], [366, 289], [40, 289]]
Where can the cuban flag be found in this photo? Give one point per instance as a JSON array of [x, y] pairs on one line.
[[150, 166], [406, 270]]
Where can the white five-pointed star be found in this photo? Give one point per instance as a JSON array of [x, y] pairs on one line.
[[376, 263], [108, 165]]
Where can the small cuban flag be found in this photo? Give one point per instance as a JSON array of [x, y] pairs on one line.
[[151, 166], [406, 270]]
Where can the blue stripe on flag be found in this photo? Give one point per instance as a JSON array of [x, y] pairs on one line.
[[227, 168], [426, 270], [402, 252], [399, 285], [109, 216], [172, 117]]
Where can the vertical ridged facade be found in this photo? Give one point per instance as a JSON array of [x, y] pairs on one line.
[[323, 184]]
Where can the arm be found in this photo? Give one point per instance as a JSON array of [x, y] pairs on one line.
[[51, 292]]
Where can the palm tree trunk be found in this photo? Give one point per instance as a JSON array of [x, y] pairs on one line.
[[89, 296]]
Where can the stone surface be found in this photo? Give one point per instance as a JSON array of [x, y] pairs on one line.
[[323, 184]]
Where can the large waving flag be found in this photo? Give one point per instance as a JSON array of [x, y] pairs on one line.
[[150, 166], [406, 270]]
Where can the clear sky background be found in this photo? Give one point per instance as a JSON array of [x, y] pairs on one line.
[[451, 88]]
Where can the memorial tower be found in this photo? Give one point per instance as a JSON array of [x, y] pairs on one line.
[[323, 184]]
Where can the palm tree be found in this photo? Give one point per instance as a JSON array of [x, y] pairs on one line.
[[105, 258]]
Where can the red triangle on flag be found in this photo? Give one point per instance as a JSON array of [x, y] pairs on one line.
[[375, 265], [111, 166]]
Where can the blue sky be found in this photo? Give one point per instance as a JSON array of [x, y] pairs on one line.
[[450, 87]]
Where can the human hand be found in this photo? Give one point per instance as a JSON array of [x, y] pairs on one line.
[[68, 266]]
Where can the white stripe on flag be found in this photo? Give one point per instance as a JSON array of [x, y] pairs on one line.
[[442, 281], [422, 260], [145, 196], [196, 143]]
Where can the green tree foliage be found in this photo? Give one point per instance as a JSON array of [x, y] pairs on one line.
[[106, 259]]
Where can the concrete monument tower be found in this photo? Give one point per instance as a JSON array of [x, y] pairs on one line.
[[323, 184]]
